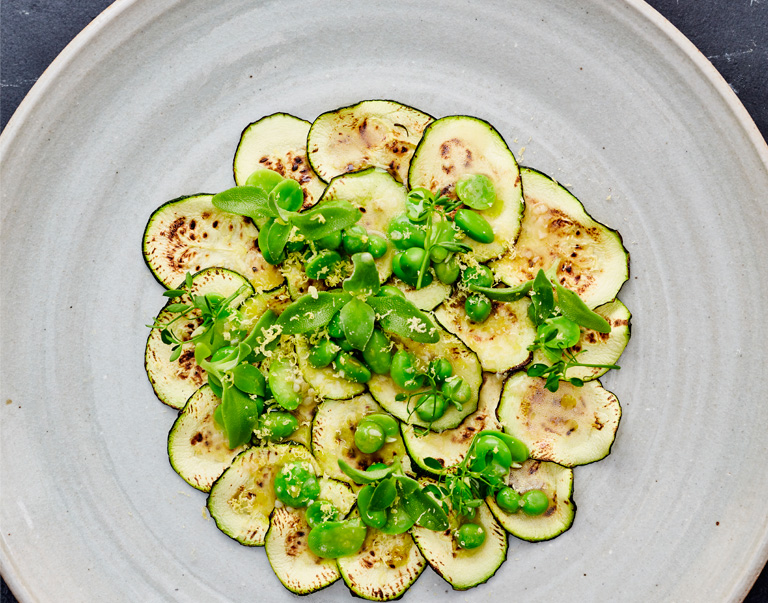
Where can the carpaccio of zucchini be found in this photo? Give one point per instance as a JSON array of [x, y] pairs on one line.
[[405, 176]]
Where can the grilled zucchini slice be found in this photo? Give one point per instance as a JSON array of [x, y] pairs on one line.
[[333, 437], [465, 365], [197, 448], [298, 568], [426, 298], [325, 381], [458, 145], [384, 568], [464, 568], [592, 259], [242, 499], [572, 426], [189, 234], [501, 341], [556, 482], [449, 447], [378, 133], [175, 382], [278, 142]]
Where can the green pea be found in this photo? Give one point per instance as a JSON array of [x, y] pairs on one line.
[[411, 260], [470, 536], [404, 234], [377, 245], [351, 369], [321, 511], [535, 502], [276, 426], [296, 484], [403, 371], [442, 232], [456, 389], [344, 344], [288, 195], [430, 407], [369, 436], [390, 291], [335, 327], [377, 353], [265, 179], [476, 191], [335, 539], [354, 240], [331, 241], [478, 307], [321, 265], [440, 369], [448, 272], [281, 381], [474, 225], [479, 275], [388, 423], [376, 518], [407, 276], [295, 246], [487, 448], [508, 500], [322, 354]]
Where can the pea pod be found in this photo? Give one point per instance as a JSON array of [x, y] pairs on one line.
[[474, 225], [335, 539], [574, 308]]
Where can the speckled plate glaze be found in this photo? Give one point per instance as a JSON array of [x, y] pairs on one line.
[[604, 95]]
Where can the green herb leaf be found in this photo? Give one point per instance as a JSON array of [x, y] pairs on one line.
[[384, 494], [424, 509], [326, 218], [542, 298], [572, 307], [364, 280], [357, 320], [250, 201], [309, 313], [174, 293], [433, 464], [367, 477], [248, 378], [504, 294], [401, 317]]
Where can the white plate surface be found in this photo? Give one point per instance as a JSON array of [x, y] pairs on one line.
[[148, 104]]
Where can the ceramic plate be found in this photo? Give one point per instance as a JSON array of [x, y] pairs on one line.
[[148, 104]]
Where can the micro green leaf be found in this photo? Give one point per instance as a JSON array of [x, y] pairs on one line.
[[367, 477], [357, 320], [326, 218], [401, 317], [364, 280], [250, 201], [573, 308], [309, 313], [174, 293], [542, 298]]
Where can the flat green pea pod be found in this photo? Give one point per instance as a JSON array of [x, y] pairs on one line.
[[470, 536], [574, 308], [474, 225], [351, 368], [323, 353], [369, 436], [276, 426], [296, 484], [320, 512], [403, 371], [535, 502], [516, 447], [375, 518], [377, 353], [282, 379], [335, 539], [321, 265], [404, 234], [486, 449]]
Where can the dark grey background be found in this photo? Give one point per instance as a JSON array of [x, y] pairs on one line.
[[732, 34]]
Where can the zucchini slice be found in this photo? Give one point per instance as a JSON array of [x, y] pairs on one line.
[[426, 298], [592, 259], [572, 426], [465, 365], [333, 437], [464, 568], [501, 341], [189, 234], [384, 568], [278, 142], [242, 499], [458, 145], [449, 447], [599, 348], [197, 448], [325, 381], [556, 482], [379, 133], [298, 568], [175, 382]]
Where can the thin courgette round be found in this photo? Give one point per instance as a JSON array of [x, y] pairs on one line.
[[372, 133], [592, 260], [572, 426]]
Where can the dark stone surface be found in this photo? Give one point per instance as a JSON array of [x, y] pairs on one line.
[[733, 34]]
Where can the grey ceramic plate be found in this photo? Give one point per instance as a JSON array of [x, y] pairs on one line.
[[148, 104]]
